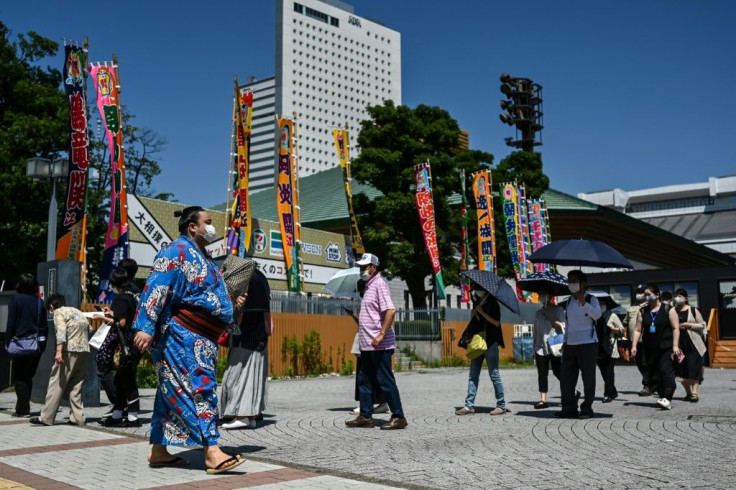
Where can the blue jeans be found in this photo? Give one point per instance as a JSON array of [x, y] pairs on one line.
[[491, 357], [375, 369]]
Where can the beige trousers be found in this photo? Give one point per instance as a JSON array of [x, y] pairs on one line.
[[66, 378]]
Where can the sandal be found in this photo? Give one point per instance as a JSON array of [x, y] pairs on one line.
[[226, 465], [687, 398], [172, 463], [541, 405], [694, 399]]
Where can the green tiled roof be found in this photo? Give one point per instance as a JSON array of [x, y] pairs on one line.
[[322, 200], [559, 200]]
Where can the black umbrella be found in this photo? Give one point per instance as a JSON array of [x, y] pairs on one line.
[[495, 286], [580, 252], [551, 281]]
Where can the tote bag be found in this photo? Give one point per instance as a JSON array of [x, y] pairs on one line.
[[477, 346]]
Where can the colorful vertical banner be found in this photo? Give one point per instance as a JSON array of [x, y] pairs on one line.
[[71, 245], [536, 230], [484, 210], [464, 249], [547, 232], [286, 204], [425, 208], [116, 240], [241, 223], [524, 239], [343, 156], [511, 224]]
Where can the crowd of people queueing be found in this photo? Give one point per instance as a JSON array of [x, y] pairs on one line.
[[185, 308]]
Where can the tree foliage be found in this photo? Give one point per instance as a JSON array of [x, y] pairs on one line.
[[34, 121], [392, 141]]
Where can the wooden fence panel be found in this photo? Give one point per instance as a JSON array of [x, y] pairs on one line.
[[451, 332]]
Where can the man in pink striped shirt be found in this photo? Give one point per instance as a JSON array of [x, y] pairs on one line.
[[377, 344]]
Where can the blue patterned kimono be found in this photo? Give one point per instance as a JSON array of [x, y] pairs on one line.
[[185, 410]]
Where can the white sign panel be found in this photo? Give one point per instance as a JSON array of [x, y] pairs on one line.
[[145, 222], [276, 269]]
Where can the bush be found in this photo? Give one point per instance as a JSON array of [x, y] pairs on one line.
[[146, 373], [306, 355], [347, 368]]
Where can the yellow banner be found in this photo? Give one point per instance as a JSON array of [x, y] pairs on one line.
[[241, 206], [484, 209], [286, 204], [341, 146]]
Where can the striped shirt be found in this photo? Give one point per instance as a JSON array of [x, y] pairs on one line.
[[376, 302]]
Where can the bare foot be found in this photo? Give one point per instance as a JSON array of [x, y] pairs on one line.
[[159, 454]]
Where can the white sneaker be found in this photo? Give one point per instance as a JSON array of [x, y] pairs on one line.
[[664, 404], [239, 424], [381, 408], [355, 411]]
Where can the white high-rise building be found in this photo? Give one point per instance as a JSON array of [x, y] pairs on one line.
[[330, 65], [263, 128]]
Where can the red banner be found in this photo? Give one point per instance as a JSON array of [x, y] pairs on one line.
[[425, 208]]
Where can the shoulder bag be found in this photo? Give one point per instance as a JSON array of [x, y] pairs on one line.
[[26, 346]]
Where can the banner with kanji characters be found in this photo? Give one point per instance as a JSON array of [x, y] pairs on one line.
[[484, 210], [116, 239], [524, 240], [511, 224], [241, 215], [71, 244], [464, 249], [537, 231], [425, 208], [343, 156], [286, 203]]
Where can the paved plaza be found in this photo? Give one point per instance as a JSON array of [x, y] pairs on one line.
[[303, 441]]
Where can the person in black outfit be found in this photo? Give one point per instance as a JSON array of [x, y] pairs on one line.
[[26, 316], [659, 325], [121, 313], [692, 345]]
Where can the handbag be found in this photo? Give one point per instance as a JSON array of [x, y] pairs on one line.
[[24, 346], [477, 346], [473, 327], [356, 345], [555, 344], [237, 271], [100, 335]]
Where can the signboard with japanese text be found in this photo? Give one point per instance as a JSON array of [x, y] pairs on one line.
[[342, 143], [241, 223]]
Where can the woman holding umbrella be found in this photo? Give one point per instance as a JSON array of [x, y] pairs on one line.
[[486, 316]]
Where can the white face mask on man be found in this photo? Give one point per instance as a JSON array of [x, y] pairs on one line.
[[210, 233], [365, 275], [574, 287]]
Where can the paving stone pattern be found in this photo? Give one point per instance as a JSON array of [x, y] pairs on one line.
[[628, 444]]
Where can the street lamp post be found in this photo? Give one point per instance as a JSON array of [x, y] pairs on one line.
[[43, 168]]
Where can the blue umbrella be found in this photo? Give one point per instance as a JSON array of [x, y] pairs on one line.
[[551, 281], [496, 287], [580, 252]]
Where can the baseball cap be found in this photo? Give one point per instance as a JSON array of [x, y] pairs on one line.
[[367, 259]]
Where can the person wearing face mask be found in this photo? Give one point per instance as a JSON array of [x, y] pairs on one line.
[[692, 345], [548, 320], [184, 308], [580, 348], [120, 314], [660, 326], [630, 321], [486, 315], [608, 328], [377, 344]]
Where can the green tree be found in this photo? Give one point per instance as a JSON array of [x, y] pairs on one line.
[[392, 141], [33, 122], [520, 167]]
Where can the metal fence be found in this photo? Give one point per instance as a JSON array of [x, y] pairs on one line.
[[311, 305], [418, 324]]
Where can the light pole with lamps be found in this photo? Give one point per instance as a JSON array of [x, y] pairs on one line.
[[43, 168]]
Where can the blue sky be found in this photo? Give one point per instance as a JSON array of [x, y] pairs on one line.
[[636, 93]]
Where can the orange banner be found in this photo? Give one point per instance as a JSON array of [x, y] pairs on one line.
[[286, 205], [484, 209]]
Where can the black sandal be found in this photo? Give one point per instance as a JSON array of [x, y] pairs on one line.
[[541, 405], [226, 465]]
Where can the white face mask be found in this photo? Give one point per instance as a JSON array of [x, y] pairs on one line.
[[210, 233], [574, 287], [679, 300], [365, 275], [640, 298]]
